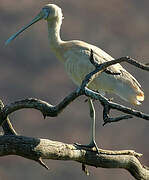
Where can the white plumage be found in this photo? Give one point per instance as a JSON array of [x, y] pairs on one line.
[[75, 56]]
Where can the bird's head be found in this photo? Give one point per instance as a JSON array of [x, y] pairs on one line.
[[49, 12]]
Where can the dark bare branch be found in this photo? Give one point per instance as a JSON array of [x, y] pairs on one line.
[[99, 68], [112, 105], [45, 108], [54, 110], [107, 104]]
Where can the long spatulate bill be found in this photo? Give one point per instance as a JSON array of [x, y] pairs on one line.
[[36, 19]]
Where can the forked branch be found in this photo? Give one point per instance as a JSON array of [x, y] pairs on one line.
[[38, 149], [53, 110]]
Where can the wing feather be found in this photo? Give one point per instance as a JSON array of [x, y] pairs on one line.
[[77, 65]]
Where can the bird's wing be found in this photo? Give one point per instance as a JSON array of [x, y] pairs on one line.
[[77, 65]]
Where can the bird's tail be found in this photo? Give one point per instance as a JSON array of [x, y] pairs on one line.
[[131, 95], [129, 89], [139, 97]]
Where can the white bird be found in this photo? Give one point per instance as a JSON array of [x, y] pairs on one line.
[[75, 57]]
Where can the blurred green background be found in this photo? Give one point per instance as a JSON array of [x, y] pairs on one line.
[[29, 69]]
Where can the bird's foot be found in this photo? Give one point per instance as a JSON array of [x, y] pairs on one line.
[[90, 147]]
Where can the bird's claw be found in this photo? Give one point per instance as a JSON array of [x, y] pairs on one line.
[[90, 147]]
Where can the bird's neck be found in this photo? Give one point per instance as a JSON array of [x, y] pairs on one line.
[[54, 33]]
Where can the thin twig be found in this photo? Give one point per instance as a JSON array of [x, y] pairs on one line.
[[7, 126], [112, 105]]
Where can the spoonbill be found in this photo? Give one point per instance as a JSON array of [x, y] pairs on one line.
[[75, 56]]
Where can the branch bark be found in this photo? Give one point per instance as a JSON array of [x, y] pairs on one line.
[[37, 149]]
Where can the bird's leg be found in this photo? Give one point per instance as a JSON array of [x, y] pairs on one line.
[[93, 125], [92, 145]]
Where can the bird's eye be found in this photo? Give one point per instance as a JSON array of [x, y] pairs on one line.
[[46, 12]]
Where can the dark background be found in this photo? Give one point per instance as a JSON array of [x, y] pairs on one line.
[[29, 69]]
